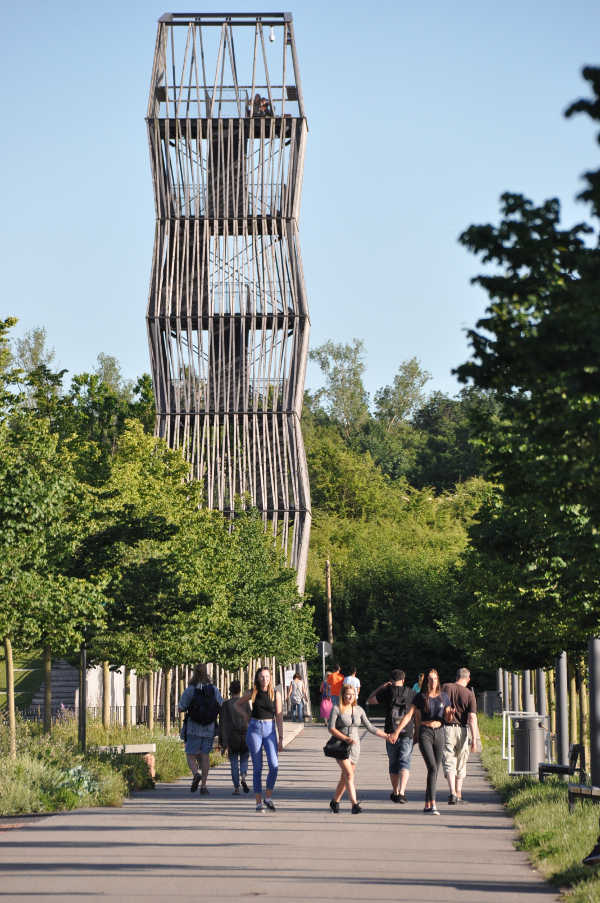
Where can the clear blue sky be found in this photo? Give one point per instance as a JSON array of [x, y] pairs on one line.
[[419, 116]]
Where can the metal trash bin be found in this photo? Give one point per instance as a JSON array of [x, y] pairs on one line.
[[529, 735]]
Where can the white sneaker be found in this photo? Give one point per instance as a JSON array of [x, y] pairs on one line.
[[260, 809]]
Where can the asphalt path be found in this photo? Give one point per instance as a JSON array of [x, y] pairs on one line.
[[169, 844]]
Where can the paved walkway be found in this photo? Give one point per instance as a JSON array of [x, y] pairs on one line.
[[171, 845]]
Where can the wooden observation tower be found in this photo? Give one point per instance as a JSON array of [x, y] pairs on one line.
[[227, 314]]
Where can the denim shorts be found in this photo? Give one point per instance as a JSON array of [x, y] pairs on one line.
[[399, 754], [194, 745]]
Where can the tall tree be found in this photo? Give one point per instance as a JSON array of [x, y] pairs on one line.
[[10, 375], [40, 515], [537, 350], [31, 350], [449, 451], [344, 396], [400, 400]]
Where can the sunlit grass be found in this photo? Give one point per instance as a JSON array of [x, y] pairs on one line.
[[555, 840]]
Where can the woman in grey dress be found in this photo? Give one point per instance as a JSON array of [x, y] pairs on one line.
[[344, 723]]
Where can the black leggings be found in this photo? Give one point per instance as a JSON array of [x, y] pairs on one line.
[[431, 744]]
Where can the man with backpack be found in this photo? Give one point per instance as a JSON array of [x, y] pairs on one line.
[[201, 702], [397, 699], [233, 725]]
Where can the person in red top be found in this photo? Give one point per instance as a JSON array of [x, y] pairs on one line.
[[335, 681]]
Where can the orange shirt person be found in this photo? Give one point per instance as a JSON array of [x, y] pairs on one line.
[[335, 681]]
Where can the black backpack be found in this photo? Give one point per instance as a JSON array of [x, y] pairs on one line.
[[204, 708], [399, 706]]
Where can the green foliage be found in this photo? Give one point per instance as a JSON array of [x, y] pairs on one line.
[[532, 577], [133, 768], [31, 352], [50, 774], [447, 454], [184, 585], [405, 396], [344, 396], [39, 510], [393, 550], [9, 374]]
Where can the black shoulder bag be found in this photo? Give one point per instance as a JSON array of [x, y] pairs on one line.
[[336, 748]]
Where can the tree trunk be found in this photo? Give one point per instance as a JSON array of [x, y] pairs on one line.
[[127, 698], [573, 727], [551, 694], [168, 687], [105, 695], [584, 713], [157, 693], [10, 697], [181, 688], [47, 690], [151, 701]]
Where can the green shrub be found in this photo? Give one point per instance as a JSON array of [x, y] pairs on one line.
[[50, 773], [133, 768], [29, 784]]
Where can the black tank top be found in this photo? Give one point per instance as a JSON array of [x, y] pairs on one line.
[[263, 706]]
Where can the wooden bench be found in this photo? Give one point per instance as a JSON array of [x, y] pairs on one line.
[[147, 750], [582, 792], [576, 752]]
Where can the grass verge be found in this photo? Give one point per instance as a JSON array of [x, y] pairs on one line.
[[50, 774], [555, 840]]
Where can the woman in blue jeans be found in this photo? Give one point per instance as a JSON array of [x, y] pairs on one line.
[[264, 728]]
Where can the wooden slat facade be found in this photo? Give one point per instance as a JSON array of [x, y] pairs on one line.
[[227, 317]]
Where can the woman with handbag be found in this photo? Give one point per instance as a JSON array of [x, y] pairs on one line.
[[431, 708], [344, 744]]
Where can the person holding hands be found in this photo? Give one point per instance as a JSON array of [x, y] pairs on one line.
[[430, 709], [345, 720]]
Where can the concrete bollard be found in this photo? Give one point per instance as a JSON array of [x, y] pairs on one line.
[[562, 710]]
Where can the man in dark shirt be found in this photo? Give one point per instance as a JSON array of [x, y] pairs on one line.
[[397, 699], [456, 734]]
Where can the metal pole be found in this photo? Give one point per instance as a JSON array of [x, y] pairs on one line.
[[594, 668], [505, 693], [540, 692], [329, 610], [499, 684], [83, 698], [528, 701], [562, 710], [515, 702]]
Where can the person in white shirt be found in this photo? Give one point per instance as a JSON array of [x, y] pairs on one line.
[[352, 680]]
